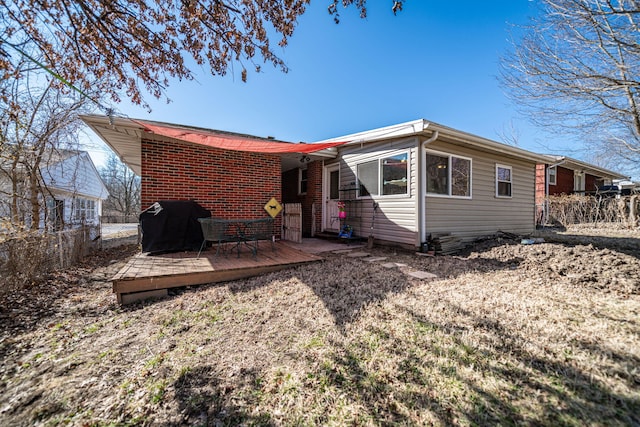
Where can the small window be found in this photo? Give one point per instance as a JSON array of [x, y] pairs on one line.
[[552, 176], [395, 175], [302, 181], [503, 181], [368, 179], [448, 175]]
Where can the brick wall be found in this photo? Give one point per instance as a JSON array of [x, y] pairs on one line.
[[564, 182], [230, 184], [541, 176], [592, 183]]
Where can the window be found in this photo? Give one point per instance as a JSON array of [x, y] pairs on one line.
[[302, 181], [448, 175], [552, 176], [368, 179], [503, 181], [395, 174], [334, 180], [91, 209], [80, 205], [386, 176], [84, 210]]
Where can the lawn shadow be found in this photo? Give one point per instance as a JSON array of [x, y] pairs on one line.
[[346, 285], [203, 398], [569, 394], [502, 382]]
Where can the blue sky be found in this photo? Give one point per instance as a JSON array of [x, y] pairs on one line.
[[436, 60]]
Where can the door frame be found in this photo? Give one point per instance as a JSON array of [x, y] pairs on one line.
[[327, 220]]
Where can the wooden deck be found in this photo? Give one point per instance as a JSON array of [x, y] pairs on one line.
[[151, 275]]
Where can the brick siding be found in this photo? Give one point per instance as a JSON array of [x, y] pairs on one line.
[[564, 182], [230, 184]]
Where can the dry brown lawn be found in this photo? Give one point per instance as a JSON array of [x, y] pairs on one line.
[[508, 334]]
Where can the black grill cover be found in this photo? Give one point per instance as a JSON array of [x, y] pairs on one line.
[[171, 226]]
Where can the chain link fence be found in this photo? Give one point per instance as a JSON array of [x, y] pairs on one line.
[[620, 211], [27, 256], [118, 219]]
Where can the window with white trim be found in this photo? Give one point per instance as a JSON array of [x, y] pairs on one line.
[[386, 176], [504, 180], [302, 181], [552, 175], [84, 210], [448, 175]]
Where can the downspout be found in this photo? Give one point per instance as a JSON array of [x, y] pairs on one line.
[[546, 187], [422, 191]]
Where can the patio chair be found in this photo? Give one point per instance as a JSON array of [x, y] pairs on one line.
[[260, 229], [213, 230]]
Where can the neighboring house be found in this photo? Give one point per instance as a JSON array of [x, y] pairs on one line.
[[72, 191], [564, 175], [425, 178]]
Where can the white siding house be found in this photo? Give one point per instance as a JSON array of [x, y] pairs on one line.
[[76, 190], [426, 178], [71, 191]]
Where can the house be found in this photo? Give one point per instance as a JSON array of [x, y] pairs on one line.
[[412, 180], [563, 175], [71, 191], [418, 178], [232, 175]]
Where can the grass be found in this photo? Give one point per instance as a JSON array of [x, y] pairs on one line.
[[507, 335]]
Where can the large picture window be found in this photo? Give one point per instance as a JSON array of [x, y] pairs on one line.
[[386, 176], [503, 181], [448, 175]]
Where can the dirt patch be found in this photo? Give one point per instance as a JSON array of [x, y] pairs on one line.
[[543, 334]]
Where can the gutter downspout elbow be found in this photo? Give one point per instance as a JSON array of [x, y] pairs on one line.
[[431, 139], [422, 215]]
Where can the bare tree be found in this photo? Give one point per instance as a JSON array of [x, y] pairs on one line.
[[137, 45], [124, 189], [38, 119], [577, 69]]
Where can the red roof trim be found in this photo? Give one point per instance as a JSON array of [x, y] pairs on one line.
[[227, 141]]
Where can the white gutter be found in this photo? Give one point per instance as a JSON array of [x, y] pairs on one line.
[[422, 191]]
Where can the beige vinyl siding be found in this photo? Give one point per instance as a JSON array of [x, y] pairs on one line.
[[396, 218], [484, 213]]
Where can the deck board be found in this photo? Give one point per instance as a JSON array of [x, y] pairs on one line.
[[151, 272]]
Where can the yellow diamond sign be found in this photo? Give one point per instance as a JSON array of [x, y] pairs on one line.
[[272, 207]]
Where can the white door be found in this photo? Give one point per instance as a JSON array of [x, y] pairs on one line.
[[331, 195]]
